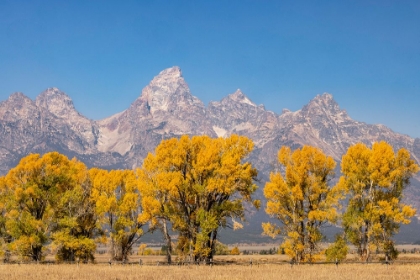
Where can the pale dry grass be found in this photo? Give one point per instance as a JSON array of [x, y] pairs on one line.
[[230, 272], [151, 259]]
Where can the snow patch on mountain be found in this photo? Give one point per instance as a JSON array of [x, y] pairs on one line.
[[220, 131]]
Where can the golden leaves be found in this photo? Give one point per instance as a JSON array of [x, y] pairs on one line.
[[270, 230], [301, 199], [374, 180], [43, 200], [191, 181]]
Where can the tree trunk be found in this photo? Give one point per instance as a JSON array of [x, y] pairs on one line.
[[302, 256], [212, 245], [168, 242], [37, 253], [365, 243], [116, 250]]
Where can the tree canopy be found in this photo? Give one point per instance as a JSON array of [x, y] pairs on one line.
[[300, 197], [47, 197], [193, 187], [198, 185], [374, 180], [117, 201]]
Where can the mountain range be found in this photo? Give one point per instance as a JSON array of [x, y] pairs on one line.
[[166, 108]]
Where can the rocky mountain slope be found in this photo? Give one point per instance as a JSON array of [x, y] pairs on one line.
[[166, 108]]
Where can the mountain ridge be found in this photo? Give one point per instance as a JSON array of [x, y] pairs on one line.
[[166, 108], [167, 96]]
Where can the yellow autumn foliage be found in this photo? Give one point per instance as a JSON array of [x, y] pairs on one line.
[[374, 179], [301, 199], [46, 198], [198, 185], [118, 206]]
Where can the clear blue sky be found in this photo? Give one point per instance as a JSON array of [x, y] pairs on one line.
[[280, 53]]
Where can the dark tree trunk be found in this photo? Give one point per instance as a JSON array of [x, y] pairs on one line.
[[37, 253], [212, 245]]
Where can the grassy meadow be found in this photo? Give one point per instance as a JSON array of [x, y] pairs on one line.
[[270, 271], [269, 267]]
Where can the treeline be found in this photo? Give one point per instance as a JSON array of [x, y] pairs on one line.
[[192, 186], [196, 186], [302, 199]]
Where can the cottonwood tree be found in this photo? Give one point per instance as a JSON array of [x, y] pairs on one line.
[[76, 226], [374, 180], [300, 197], [118, 204], [198, 185], [36, 191]]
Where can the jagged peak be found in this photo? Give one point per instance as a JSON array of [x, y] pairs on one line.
[[18, 96], [168, 79], [55, 101], [238, 93], [173, 71], [166, 88], [325, 100], [323, 104], [52, 93], [325, 96], [171, 77], [239, 96]]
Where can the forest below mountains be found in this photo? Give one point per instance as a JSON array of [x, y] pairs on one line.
[[167, 109], [196, 186]]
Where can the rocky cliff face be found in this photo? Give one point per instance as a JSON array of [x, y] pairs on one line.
[[236, 114], [323, 124], [58, 113], [50, 123], [166, 108]]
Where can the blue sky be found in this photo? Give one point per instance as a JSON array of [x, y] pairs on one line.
[[280, 53]]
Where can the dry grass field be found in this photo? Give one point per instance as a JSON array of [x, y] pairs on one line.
[[230, 272], [236, 267]]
